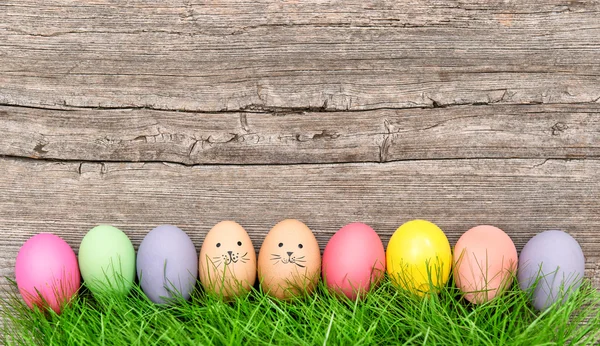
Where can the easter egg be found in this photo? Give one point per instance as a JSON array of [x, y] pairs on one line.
[[46, 272], [227, 260], [551, 268], [167, 264], [107, 260], [419, 257], [485, 261], [289, 260], [353, 260]]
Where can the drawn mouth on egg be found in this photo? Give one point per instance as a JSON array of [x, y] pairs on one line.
[[299, 261], [230, 257]]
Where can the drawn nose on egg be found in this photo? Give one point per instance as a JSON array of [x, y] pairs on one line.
[[290, 253]]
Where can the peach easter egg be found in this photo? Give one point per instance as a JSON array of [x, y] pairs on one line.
[[227, 260], [289, 260], [485, 261]]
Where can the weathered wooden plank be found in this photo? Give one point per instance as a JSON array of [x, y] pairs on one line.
[[335, 55], [522, 197], [493, 131]]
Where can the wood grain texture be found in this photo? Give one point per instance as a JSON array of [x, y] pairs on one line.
[[523, 197], [492, 131], [230, 55], [137, 113]]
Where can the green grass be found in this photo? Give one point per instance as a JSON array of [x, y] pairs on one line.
[[387, 316]]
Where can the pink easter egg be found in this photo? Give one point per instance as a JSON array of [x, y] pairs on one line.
[[353, 260], [46, 272]]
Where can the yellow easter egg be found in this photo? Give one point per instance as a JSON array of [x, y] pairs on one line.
[[419, 257]]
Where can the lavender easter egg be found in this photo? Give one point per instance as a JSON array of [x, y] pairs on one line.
[[167, 264], [551, 267]]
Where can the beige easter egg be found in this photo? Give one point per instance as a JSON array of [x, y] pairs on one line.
[[227, 262], [289, 261]]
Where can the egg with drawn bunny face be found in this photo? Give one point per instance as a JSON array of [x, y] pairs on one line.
[[227, 261], [289, 261]]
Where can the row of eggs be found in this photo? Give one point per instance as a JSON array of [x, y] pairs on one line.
[[418, 258]]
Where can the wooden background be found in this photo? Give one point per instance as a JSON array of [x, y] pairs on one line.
[[138, 113]]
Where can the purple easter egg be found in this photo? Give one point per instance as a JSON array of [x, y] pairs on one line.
[[553, 262], [167, 264]]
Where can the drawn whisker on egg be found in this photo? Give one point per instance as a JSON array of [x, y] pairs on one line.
[[301, 257], [276, 259], [299, 265]]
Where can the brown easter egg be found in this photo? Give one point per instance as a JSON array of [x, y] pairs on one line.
[[227, 261], [289, 260]]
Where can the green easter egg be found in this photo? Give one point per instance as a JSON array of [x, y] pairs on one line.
[[107, 260]]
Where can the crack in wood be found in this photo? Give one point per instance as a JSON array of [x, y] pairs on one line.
[[334, 163], [92, 167], [283, 111], [386, 143], [325, 134], [540, 164], [193, 148], [244, 122]]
